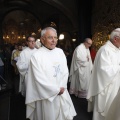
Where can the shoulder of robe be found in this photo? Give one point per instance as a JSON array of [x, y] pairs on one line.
[[59, 49]]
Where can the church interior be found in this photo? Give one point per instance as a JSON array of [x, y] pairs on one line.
[[74, 20]]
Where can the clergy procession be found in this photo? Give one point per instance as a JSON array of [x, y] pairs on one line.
[[41, 72]]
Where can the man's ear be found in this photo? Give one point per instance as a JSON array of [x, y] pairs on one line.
[[115, 39], [42, 39]]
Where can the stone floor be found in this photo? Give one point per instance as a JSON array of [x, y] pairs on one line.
[[81, 109], [12, 107]]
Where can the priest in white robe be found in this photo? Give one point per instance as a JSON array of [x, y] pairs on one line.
[[80, 70], [23, 63], [47, 97], [114, 111], [105, 79]]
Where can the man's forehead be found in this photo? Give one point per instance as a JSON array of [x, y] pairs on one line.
[[50, 31]]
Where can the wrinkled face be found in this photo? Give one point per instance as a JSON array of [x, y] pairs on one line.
[[31, 42], [49, 40]]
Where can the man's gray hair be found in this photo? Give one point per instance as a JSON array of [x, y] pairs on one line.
[[47, 28], [115, 33]]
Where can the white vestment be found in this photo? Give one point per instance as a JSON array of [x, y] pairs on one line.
[[22, 65], [80, 71], [47, 73], [105, 80], [114, 111]]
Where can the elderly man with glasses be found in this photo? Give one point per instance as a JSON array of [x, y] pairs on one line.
[[47, 97]]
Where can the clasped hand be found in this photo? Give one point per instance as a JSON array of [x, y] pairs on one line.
[[62, 89]]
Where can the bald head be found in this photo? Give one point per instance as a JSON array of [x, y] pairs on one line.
[[87, 42]]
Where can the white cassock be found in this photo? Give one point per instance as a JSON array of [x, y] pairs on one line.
[[105, 80], [80, 71], [22, 65], [47, 73], [114, 111]]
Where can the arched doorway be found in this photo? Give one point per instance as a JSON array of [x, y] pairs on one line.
[[17, 25]]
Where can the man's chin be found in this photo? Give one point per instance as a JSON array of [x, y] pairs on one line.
[[52, 47]]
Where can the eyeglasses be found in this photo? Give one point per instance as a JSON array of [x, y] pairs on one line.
[[31, 41], [52, 37]]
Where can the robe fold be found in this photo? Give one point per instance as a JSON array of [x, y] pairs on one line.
[[114, 111], [47, 73], [104, 83], [22, 65], [80, 71]]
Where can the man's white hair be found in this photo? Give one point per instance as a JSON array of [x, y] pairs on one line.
[[47, 28], [115, 33]]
